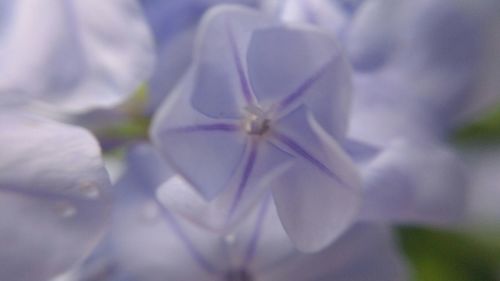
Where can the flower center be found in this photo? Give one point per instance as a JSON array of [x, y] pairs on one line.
[[238, 275], [256, 122]]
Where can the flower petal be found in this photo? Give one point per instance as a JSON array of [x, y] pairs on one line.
[[54, 199], [85, 56], [414, 182], [229, 208], [174, 23], [222, 88], [482, 201], [204, 150], [146, 237], [292, 66], [364, 252], [318, 198]]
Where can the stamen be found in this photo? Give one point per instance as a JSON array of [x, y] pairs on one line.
[[256, 122]]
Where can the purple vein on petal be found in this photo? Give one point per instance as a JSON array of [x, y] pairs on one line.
[[302, 89], [223, 127], [180, 233], [247, 170], [171, 221], [245, 86], [298, 149], [252, 246]]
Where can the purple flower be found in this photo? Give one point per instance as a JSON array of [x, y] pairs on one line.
[[435, 67], [410, 71], [148, 242], [264, 106], [74, 55], [54, 200]]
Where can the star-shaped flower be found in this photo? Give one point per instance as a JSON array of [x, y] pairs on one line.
[[263, 106], [173, 248]]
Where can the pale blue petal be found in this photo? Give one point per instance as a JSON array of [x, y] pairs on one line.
[[222, 88], [365, 252], [54, 196], [414, 182], [74, 55], [150, 243], [443, 49], [374, 33], [203, 149], [318, 198], [226, 211], [173, 23], [385, 108], [291, 67], [328, 14]]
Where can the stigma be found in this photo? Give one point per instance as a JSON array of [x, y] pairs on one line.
[[255, 122]]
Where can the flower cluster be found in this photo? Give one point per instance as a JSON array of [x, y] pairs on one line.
[[287, 137]]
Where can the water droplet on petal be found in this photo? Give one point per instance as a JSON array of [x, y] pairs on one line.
[[65, 209], [89, 189]]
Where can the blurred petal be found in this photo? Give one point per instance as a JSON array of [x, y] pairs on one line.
[[227, 210], [373, 34], [174, 23], [414, 182], [222, 88], [88, 54], [318, 198], [386, 108], [365, 252], [149, 242], [53, 196]]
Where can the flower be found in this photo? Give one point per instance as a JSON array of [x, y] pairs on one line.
[[148, 242], [54, 200], [74, 55], [264, 106]]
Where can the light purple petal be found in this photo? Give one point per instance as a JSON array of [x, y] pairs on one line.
[[374, 33], [441, 48], [174, 23], [204, 150], [226, 211], [386, 108], [222, 88], [149, 242], [318, 198], [414, 182], [291, 67], [53, 193], [74, 55], [365, 252]]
